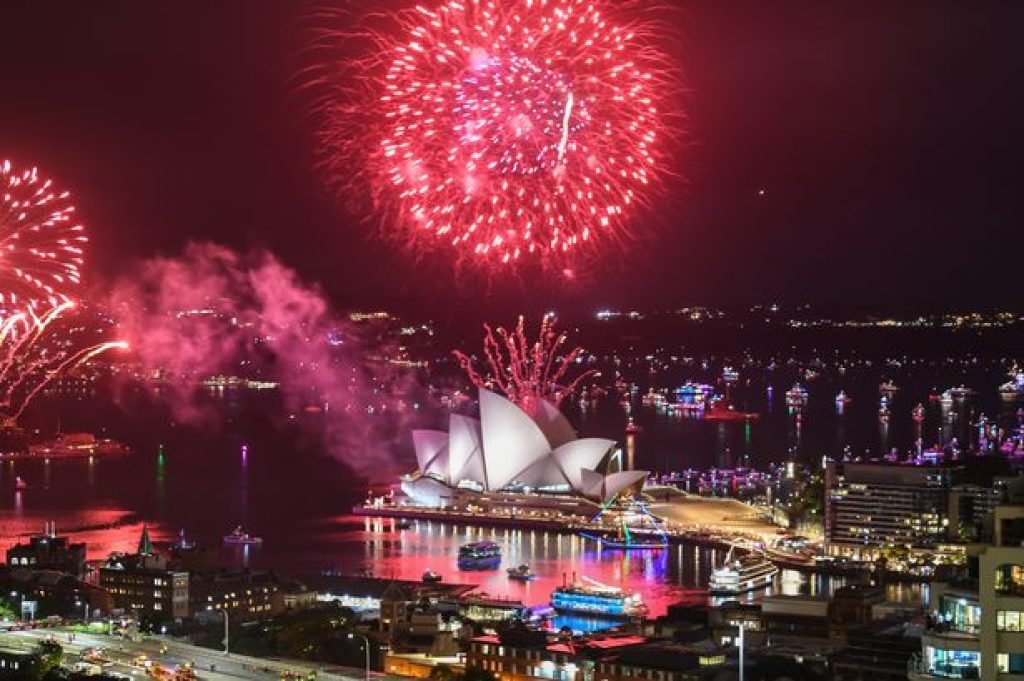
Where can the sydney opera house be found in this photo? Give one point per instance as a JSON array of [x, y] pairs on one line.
[[510, 458]]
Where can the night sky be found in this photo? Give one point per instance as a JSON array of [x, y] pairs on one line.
[[888, 137]]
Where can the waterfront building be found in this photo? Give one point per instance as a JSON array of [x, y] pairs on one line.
[[48, 551], [530, 457], [145, 585], [871, 505], [976, 628], [530, 657], [244, 595]]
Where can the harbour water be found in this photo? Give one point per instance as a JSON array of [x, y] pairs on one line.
[[281, 487]]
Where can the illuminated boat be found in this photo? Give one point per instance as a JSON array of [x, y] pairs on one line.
[[431, 577], [737, 576], [692, 396], [481, 555], [721, 411], [522, 573], [1014, 388], [594, 598], [842, 399], [961, 392], [888, 388], [240, 538], [77, 445], [796, 397]]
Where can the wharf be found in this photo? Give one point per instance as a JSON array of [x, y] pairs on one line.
[[365, 586]]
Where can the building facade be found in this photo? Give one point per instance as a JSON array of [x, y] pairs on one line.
[[49, 552], [145, 585], [976, 630], [868, 506], [243, 595]]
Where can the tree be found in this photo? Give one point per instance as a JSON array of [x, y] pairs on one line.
[[50, 656]]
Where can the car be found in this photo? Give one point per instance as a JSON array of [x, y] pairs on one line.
[[87, 669]]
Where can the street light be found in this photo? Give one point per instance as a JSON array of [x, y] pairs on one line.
[[366, 643], [740, 643]]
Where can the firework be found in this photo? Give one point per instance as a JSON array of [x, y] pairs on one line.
[[504, 130], [525, 371], [41, 244], [34, 350]]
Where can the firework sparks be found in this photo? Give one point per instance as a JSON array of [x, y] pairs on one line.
[[41, 244], [525, 371], [504, 130], [34, 351]]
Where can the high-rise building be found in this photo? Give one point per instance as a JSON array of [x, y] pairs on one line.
[[870, 505], [976, 630]]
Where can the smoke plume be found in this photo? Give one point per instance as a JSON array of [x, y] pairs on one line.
[[214, 311]]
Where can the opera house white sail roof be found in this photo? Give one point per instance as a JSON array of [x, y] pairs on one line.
[[509, 448]]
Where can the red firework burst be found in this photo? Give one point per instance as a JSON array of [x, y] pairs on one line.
[[505, 130], [41, 245], [523, 371]]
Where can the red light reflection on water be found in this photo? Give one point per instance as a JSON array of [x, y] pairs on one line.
[[104, 530], [407, 554]]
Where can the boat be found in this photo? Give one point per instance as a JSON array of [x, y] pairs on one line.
[[20, 484], [631, 427], [77, 445], [431, 577], [1014, 388], [842, 399], [796, 397], [721, 411], [522, 573], [730, 375], [918, 413], [961, 392], [888, 388], [630, 542], [481, 555], [240, 538], [692, 396], [403, 524], [740, 575], [594, 598]]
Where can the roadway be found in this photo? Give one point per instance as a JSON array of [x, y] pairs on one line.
[[119, 656]]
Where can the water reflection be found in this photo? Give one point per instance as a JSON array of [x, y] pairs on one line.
[[663, 577]]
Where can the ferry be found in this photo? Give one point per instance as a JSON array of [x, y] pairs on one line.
[[737, 576], [76, 445], [481, 555], [431, 577], [598, 599], [523, 573], [241, 538], [692, 396]]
